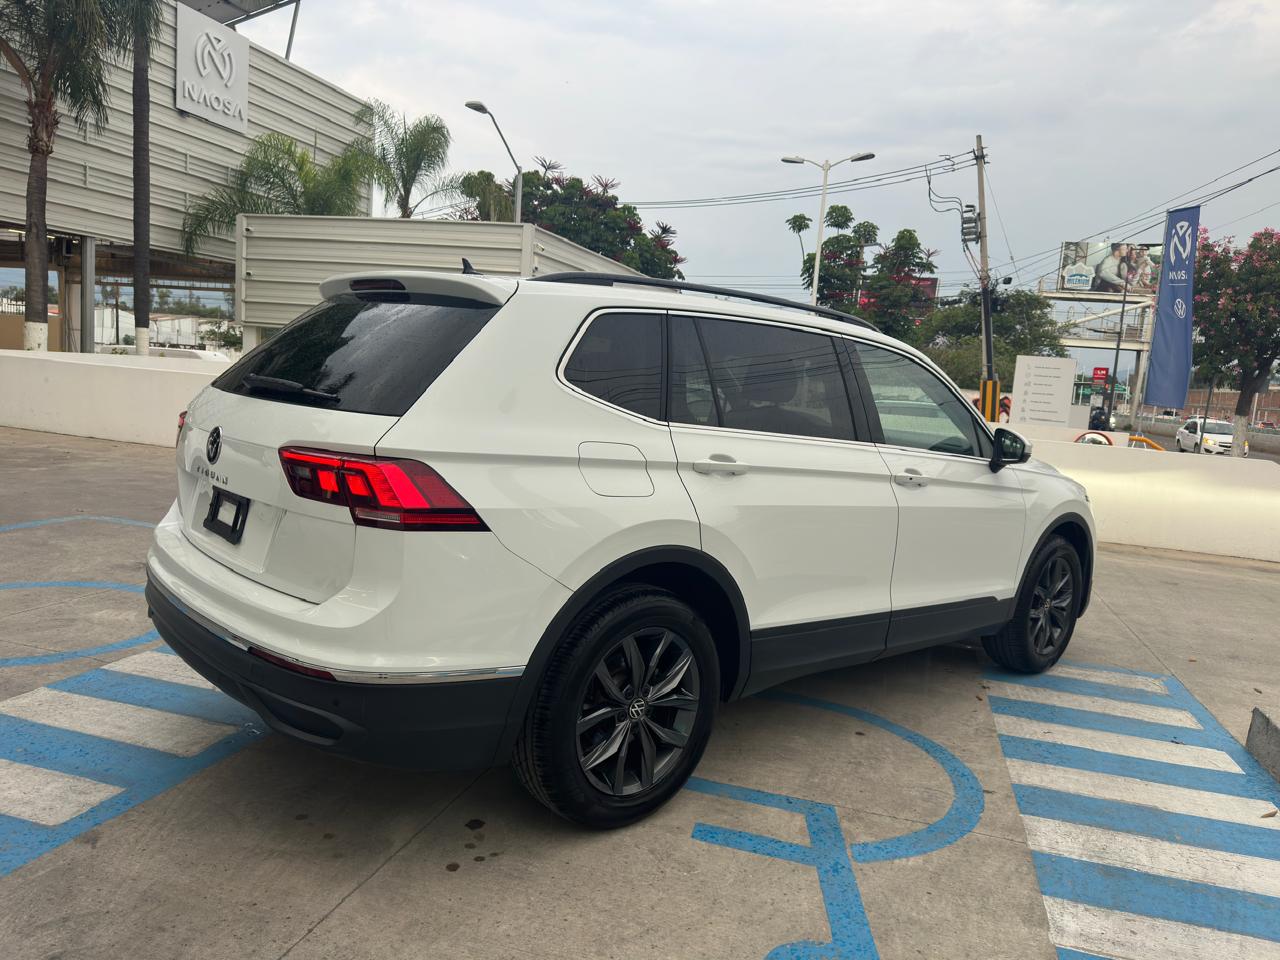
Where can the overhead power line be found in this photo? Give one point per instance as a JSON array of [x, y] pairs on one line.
[[1183, 198], [871, 181]]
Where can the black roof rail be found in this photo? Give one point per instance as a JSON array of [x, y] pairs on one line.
[[609, 279]]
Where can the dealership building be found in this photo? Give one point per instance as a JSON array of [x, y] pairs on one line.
[[212, 92]]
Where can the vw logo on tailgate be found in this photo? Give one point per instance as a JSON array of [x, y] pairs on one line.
[[213, 446]]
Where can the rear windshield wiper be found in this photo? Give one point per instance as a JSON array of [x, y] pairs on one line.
[[257, 382]]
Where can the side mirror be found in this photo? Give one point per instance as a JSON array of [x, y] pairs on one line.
[[1009, 448]]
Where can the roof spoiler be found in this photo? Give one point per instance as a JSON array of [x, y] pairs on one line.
[[486, 289]]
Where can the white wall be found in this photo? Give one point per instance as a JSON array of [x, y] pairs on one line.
[[281, 261], [1220, 505], [131, 398]]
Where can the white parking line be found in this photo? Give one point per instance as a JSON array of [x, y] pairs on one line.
[[1075, 701], [1109, 677], [140, 726], [159, 666], [1118, 743], [1133, 852], [46, 796], [1111, 933], [1106, 786]]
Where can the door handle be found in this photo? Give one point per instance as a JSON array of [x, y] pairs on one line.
[[911, 477], [720, 463]]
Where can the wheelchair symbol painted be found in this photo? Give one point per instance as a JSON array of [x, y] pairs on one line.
[[827, 850], [61, 656]]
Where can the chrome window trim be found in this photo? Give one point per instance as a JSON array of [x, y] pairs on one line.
[[931, 367], [577, 391]]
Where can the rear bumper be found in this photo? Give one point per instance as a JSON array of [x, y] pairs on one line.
[[452, 725]]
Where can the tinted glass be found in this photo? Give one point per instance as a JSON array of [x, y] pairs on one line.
[[776, 380], [691, 397], [917, 409], [619, 360], [363, 355]]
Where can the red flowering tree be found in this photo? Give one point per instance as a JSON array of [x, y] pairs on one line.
[[1237, 314]]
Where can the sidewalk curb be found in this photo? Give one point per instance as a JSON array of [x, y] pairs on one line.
[[1263, 742]]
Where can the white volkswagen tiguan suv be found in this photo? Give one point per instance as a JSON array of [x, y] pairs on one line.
[[449, 520]]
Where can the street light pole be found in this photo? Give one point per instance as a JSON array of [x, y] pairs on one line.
[[822, 223], [825, 166], [479, 107]]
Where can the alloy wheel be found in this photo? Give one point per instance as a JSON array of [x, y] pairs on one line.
[[1051, 606], [637, 712]]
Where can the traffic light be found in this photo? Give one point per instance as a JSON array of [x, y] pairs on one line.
[[970, 232]]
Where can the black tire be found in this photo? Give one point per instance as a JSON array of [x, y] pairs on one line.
[[1044, 617], [554, 754]]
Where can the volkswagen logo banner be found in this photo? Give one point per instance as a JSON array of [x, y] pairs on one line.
[[1169, 373]]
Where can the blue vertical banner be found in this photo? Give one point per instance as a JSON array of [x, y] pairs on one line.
[[1169, 373]]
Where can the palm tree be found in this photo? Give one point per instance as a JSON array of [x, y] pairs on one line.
[[490, 200], [276, 175], [61, 51], [839, 217], [798, 224], [409, 157], [144, 20]]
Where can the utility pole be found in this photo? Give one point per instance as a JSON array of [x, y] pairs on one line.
[[990, 386]]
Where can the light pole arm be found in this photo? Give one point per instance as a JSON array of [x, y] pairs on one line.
[[519, 182]]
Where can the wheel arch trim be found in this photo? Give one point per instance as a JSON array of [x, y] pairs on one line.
[[1080, 527], [616, 572]]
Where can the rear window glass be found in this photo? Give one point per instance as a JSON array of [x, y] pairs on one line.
[[619, 360], [360, 353]]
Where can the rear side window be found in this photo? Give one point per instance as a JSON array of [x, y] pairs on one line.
[[619, 360], [776, 380], [363, 354]]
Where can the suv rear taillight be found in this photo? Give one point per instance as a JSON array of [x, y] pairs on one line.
[[182, 422], [381, 492]]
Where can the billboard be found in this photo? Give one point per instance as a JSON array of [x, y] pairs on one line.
[[1104, 267]]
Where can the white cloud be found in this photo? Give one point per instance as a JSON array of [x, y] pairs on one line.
[[1091, 111]]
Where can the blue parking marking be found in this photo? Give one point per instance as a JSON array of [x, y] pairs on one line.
[[49, 521], [1164, 898], [149, 637], [211, 705], [850, 931], [1087, 688], [1103, 722], [64, 655], [140, 772], [828, 851], [1152, 771], [1146, 821], [1217, 873]]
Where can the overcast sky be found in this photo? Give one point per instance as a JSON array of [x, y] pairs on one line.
[[1091, 112]]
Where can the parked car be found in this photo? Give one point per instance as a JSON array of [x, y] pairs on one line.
[[450, 520], [1216, 436]]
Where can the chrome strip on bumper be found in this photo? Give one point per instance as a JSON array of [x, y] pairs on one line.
[[348, 676]]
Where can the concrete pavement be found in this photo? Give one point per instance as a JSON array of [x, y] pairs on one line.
[[880, 811]]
